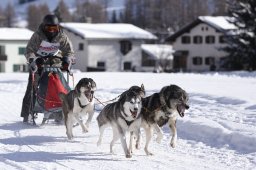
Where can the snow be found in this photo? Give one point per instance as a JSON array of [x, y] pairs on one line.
[[15, 34], [158, 51], [108, 31], [217, 132], [219, 22]]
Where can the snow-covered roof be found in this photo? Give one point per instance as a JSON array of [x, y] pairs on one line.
[[220, 22], [108, 31], [15, 34], [157, 51]]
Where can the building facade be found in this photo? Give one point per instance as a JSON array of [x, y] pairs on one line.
[[107, 47], [198, 45], [13, 42]]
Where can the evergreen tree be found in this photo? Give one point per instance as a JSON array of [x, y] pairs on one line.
[[9, 13], [114, 18], [242, 44], [62, 12], [35, 15]]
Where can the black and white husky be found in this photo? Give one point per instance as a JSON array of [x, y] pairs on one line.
[[123, 116], [78, 103], [162, 108]]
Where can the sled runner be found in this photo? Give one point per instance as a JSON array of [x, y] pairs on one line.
[[50, 82]]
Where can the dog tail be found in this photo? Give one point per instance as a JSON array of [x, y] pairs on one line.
[[62, 96]]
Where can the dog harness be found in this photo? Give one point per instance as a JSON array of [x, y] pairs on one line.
[[80, 104]]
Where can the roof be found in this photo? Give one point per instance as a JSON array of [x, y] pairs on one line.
[[157, 51], [108, 31], [221, 23], [15, 33]]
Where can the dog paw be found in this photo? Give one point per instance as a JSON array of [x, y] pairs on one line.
[[173, 144], [148, 153], [159, 138], [137, 146], [85, 131], [128, 155], [98, 143]]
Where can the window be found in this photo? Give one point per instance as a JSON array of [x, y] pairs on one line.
[[81, 46], [22, 50], [197, 39], [210, 39], [2, 50], [127, 65], [185, 39], [209, 61], [125, 47], [101, 64], [19, 68], [147, 61], [197, 60], [221, 39]]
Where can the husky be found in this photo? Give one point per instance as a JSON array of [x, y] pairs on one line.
[[160, 109], [123, 116], [77, 103]]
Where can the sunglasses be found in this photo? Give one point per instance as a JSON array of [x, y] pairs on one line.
[[52, 28]]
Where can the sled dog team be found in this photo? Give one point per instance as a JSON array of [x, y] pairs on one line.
[[128, 114]]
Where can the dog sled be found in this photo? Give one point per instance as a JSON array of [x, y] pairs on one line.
[[48, 81]]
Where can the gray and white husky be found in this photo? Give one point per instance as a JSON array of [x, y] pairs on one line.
[[123, 116], [161, 108], [78, 103]]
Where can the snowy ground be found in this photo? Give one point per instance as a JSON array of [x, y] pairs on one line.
[[218, 131]]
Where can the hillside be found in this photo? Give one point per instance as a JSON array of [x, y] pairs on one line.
[[21, 9]]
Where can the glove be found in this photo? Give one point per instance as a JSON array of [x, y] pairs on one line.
[[66, 62], [34, 63], [33, 66]]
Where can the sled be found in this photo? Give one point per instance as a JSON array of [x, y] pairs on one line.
[[46, 92]]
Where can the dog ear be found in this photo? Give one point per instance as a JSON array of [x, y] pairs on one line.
[[142, 92], [93, 84], [165, 93], [78, 86]]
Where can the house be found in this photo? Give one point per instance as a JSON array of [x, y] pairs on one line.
[[13, 43], [197, 45], [107, 47], [157, 57]]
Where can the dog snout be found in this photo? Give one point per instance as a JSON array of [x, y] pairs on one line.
[[136, 109], [186, 106]]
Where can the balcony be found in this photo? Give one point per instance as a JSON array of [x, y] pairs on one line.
[[3, 57]]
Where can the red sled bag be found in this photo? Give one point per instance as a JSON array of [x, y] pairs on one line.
[[50, 85]]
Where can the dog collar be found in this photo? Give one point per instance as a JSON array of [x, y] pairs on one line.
[[80, 104], [128, 122]]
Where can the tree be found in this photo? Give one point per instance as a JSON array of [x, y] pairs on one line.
[[113, 18], [35, 15], [220, 8], [90, 12], [2, 17], [62, 12], [9, 13], [242, 44]]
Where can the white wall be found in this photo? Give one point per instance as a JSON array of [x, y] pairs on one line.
[[12, 52], [203, 50], [105, 50]]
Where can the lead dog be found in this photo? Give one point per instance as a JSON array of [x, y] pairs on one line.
[[77, 103], [160, 109], [123, 116]]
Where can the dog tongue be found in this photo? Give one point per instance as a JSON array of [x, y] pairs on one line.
[[181, 110], [134, 114]]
